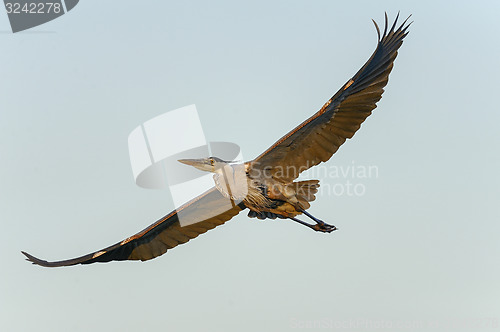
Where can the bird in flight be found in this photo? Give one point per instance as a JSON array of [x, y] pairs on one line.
[[266, 184]]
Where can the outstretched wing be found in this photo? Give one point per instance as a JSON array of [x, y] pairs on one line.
[[319, 137], [204, 212]]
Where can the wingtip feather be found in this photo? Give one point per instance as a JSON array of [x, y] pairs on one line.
[[402, 26], [395, 22], [376, 27], [386, 24], [41, 262], [34, 260]]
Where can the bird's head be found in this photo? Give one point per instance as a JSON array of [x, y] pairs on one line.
[[210, 164]]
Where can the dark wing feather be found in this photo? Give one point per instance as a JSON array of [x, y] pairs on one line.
[[319, 137], [164, 234]]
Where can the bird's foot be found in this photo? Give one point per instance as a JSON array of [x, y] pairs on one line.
[[320, 225], [324, 227]]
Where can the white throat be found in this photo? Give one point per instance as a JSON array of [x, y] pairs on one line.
[[231, 181]]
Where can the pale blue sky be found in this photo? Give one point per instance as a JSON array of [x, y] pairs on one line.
[[421, 245]]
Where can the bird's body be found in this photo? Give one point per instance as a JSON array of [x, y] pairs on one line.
[[260, 192], [267, 185]]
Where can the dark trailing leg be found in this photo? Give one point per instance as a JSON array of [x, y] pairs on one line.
[[320, 225]]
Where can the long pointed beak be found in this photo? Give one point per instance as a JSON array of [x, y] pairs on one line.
[[192, 162], [201, 164]]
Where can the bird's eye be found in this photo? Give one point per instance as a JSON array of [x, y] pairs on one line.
[[211, 161]]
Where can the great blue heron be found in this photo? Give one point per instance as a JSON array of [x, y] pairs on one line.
[[266, 184]]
